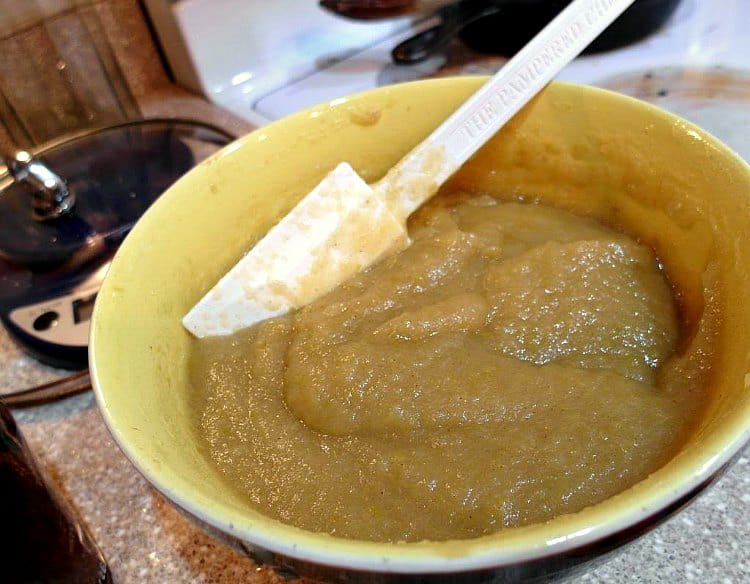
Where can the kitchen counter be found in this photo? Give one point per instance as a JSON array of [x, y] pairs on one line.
[[146, 539]]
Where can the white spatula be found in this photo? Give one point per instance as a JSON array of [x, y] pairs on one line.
[[344, 225]]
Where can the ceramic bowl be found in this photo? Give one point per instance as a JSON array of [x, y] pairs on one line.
[[588, 150]]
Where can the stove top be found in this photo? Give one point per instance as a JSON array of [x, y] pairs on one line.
[[264, 61]]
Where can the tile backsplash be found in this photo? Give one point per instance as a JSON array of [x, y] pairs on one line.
[[59, 71], [16, 16]]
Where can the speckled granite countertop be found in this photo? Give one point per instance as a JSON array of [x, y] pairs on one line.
[[147, 540]]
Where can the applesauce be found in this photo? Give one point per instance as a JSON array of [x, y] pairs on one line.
[[515, 363]]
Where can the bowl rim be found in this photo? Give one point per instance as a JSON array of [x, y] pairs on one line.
[[454, 555]]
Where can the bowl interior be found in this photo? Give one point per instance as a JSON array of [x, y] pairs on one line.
[[587, 150]]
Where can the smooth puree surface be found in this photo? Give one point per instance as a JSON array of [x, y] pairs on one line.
[[515, 363]]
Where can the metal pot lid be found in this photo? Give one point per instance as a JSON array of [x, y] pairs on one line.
[[114, 175]]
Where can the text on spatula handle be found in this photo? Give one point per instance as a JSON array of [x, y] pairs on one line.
[[523, 74]]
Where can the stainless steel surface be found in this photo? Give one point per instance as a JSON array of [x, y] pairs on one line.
[[51, 197], [57, 320]]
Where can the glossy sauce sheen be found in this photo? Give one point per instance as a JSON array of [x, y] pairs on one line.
[[511, 365]]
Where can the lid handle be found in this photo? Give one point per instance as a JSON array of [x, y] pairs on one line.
[[51, 197]]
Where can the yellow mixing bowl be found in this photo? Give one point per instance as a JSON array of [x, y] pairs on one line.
[[588, 150]]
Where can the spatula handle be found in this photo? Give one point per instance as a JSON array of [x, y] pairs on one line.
[[498, 100]]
